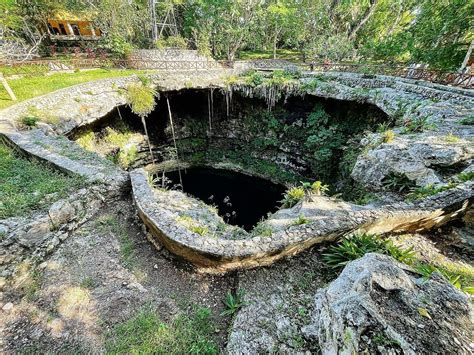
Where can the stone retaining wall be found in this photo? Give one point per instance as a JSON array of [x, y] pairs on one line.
[[219, 255]]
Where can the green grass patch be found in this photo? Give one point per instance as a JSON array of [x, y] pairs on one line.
[[146, 333], [24, 184], [287, 54], [26, 88]]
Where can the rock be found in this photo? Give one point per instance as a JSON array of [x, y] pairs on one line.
[[61, 212], [378, 304], [8, 307]]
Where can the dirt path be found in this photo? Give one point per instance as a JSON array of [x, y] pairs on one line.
[[102, 275]]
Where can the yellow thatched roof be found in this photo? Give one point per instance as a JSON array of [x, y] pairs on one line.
[[73, 16]]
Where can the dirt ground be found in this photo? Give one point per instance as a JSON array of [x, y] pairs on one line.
[[100, 276]]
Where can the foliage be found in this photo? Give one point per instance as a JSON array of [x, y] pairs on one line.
[[171, 42], [319, 188], [300, 220], [457, 279], [27, 185], [29, 121], [428, 190], [467, 176], [146, 333], [358, 245], [292, 196], [233, 302], [262, 229], [468, 121], [201, 230], [397, 182], [141, 98], [388, 136], [417, 124]]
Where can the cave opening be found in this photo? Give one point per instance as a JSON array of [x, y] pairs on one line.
[[241, 200], [303, 138]]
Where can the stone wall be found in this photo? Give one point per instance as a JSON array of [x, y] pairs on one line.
[[170, 59], [221, 255]]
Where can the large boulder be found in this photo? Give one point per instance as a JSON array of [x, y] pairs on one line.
[[380, 305]]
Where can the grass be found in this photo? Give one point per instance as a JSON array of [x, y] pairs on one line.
[[300, 220], [426, 191], [233, 302], [146, 333], [25, 185], [287, 54], [25, 88]]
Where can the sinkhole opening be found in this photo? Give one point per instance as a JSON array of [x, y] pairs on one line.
[[241, 199]]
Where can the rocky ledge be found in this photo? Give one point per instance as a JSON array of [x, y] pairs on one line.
[[327, 219]]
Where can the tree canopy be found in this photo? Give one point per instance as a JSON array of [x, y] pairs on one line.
[[433, 32]]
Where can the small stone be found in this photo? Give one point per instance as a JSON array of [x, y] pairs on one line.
[[61, 212], [7, 307], [155, 266]]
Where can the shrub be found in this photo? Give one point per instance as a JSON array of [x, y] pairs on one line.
[[319, 188], [233, 302], [262, 229], [357, 246], [382, 127], [397, 182], [140, 98], [29, 121], [292, 196], [254, 78], [87, 141], [171, 42], [388, 136]]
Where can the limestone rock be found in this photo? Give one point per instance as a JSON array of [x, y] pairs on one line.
[[61, 212], [380, 305]]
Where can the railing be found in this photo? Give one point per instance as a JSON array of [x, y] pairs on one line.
[[465, 80], [43, 66]]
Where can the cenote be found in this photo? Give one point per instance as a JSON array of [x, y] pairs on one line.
[[241, 200]]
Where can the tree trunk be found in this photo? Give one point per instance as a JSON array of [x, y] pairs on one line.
[[368, 13], [467, 57]]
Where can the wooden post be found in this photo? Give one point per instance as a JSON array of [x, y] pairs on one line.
[[467, 57], [7, 87]]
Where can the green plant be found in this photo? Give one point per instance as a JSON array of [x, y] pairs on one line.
[[29, 121], [87, 141], [254, 78], [300, 220], [383, 127], [201, 230], [468, 121], [233, 302], [88, 282], [397, 182], [292, 196], [141, 98], [146, 333], [172, 42], [428, 190], [388, 136], [458, 280], [319, 188], [262, 229], [467, 176], [358, 245], [417, 124]]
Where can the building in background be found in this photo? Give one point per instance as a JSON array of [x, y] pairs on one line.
[[68, 27]]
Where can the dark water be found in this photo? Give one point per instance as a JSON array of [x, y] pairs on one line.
[[242, 200]]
